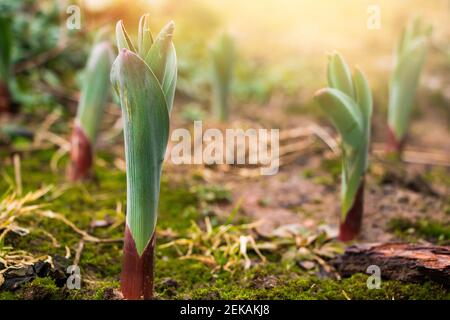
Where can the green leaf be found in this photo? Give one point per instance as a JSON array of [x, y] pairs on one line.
[[365, 103], [339, 75], [354, 166], [157, 56], [123, 40], [145, 37], [95, 89], [343, 113], [363, 95], [146, 132], [170, 77]]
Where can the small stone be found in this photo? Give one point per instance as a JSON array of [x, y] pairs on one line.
[[42, 268], [267, 282], [19, 272], [12, 284], [307, 265], [402, 198], [59, 272]]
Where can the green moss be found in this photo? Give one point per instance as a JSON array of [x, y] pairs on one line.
[[273, 280], [428, 229], [438, 175], [100, 292], [310, 288], [212, 193], [7, 295], [332, 166], [177, 207], [42, 289], [307, 173], [330, 173]]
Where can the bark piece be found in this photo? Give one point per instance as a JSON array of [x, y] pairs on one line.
[[399, 261]]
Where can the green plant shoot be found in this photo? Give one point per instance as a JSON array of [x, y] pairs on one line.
[[223, 56], [348, 103], [144, 76], [409, 58], [94, 95], [95, 90]]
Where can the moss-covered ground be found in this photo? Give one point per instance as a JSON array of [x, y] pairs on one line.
[[103, 199]]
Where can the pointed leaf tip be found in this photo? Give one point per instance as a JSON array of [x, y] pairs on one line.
[[319, 92], [123, 40], [156, 57], [168, 29]]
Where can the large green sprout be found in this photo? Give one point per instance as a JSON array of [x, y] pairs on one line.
[[348, 103], [144, 76]]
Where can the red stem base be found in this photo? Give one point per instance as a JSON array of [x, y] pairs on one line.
[[5, 98], [393, 145], [137, 280], [81, 157], [351, 226]]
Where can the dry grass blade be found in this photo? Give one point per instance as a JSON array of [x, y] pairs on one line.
[[86, 236], [310, 130], [11, 259], [12, 207]]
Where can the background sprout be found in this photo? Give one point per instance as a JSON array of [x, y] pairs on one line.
[[348, 104], [222, 56], [6, 41], [94, 95], [144, 77], [408, 61]]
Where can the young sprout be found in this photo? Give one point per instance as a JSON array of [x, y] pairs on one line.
[[409, 59], [222, 56], [144, 77], [6, 41], [348, 103], [94, 95]]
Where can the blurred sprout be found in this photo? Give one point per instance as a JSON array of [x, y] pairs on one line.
[[408, 61], [94, 95], [223, 56], [348, 103]]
